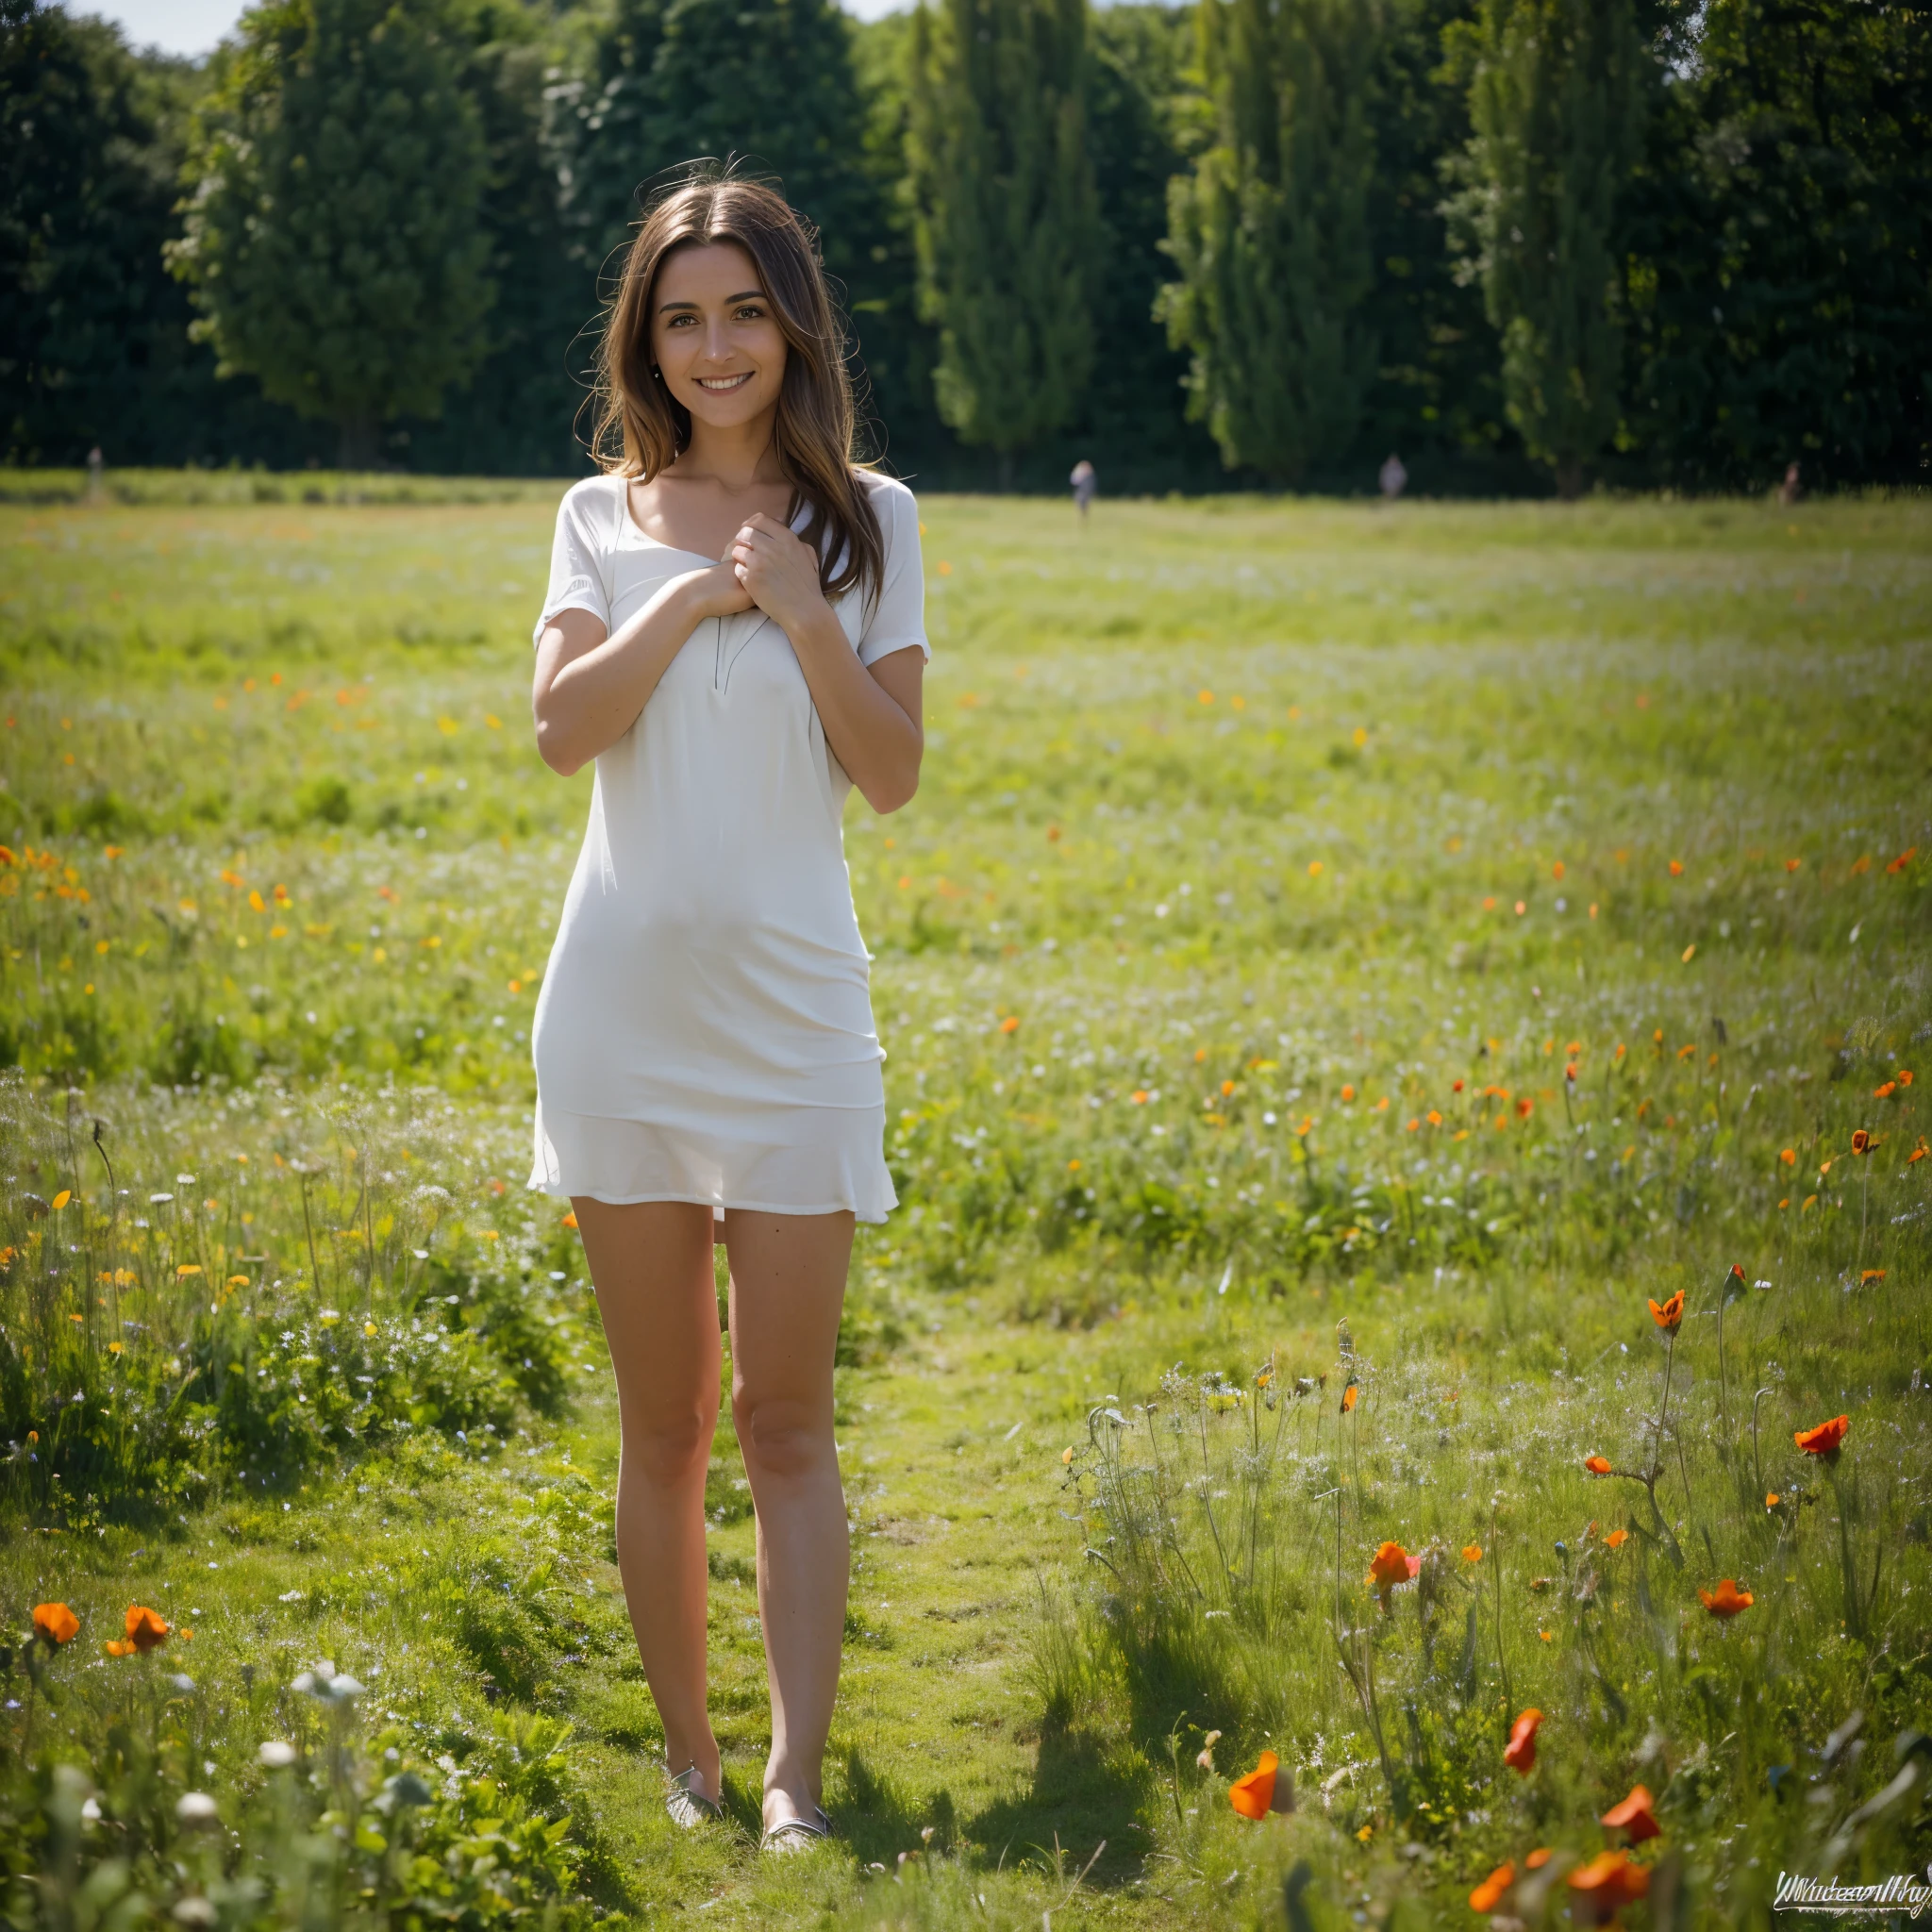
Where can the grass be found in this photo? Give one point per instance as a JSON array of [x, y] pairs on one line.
[[1276, 864]]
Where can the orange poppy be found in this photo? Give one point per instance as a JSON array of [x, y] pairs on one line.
[[1726, 1600], [1392, 1565], [1861, 1142], [1010, 1024], [1635, 1815], [1253, 1796], [1790, 1157], [1348, 1093], [1455, 1086], [1886, 1090], [54, 1623], [1616, 1538], [1471, 1553], [1903, 860], [1519, 1754], [1526, 1107], [1538, 1858], [1669, 1317], [1608, 1882], [1677, 868], [1597, 1465], [1489, 1894], [1770, 1499], [146, 1629], [569, 1220], [1824, 1439], [1918, 1153], [1350, 1396]]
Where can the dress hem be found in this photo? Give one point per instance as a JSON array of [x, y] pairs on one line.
[[559, 1192]]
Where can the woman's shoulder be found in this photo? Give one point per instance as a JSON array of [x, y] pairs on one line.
[[593, 502], [888, 495]]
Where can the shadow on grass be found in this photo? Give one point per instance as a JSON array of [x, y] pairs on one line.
[[1085, 1789]]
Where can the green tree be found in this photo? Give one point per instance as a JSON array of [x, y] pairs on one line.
[[1269, 232], [1781, 287], [1008, 218], [1557, 94], [332, 239]]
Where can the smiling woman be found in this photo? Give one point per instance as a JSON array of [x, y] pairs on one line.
[[734, 631]]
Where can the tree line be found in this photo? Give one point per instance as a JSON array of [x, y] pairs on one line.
[[1526, 243]]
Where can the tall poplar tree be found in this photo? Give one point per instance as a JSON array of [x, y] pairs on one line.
[[1008, 218], [1269, 232], [1555, 102], [332, 239]]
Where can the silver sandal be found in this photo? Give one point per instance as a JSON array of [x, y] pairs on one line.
[[688, 1806], [797, 1834]]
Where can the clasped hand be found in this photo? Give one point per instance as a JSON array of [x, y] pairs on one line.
[[769, 568]]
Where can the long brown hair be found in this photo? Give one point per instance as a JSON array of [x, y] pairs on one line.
[[641, 428]]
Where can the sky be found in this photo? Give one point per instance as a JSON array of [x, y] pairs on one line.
[[193, 26]]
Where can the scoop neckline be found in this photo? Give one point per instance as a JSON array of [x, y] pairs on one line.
[[658, 543]]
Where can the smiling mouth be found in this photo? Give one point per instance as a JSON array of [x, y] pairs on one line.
[[723, 385]]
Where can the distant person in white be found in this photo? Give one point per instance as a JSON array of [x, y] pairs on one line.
[[1392, 477], [734, 631], [1086, 482]]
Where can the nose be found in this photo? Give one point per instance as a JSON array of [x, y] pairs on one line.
[[717, 340]]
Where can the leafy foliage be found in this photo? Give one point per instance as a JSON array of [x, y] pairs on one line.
[[332, 241]]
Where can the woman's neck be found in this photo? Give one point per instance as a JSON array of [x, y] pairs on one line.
[[741, 458]]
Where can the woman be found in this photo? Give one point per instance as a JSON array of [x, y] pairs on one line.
[[734, 631]]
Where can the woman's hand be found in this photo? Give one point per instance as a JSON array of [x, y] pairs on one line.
[[715, 592], [779, 572]]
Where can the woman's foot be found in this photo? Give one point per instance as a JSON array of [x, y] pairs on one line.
[[687, 1802], [792, 1831]]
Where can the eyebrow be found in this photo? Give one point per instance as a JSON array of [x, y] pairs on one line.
[[742, 295]]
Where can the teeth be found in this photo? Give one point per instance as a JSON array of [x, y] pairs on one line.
[[722, 381]]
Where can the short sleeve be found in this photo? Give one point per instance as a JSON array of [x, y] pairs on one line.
[[898, 619], [580, 555]]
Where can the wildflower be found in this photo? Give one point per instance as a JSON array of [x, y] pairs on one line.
[[1677, 868], [1903, 860], [1608, 1882], [1905, 1076], [146, 1630], [1489, 1894], [1253, 1796], [1139, 1096], [54, 1625], [1066, 1455], [1434, 1118], [1455, 1086], [1206, 1760], [569, 1220], [1597, 1465], [1690, 952], [1726, 1600], [1868, 1276], [1471, 1553], [1918, 1153], [1635, 1815], [1524, 1108], [1669, 1317], [1861, 1142], [1010, 1024], [1616, 1540], [1538, 1858], [1350, 1395], [1392, 1565], [1790, 1157], [1825, 1439], [1519, 1754], [1886, 1090], [1348, 1093]]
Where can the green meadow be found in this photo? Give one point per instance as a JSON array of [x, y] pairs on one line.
[[1344, 965]]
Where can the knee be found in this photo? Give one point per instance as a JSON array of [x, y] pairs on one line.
[[668, 1451], [782, 1437]]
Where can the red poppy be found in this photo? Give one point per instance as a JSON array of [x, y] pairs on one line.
[[1597, 1465], [1824, 1439], [54, 1623], [1391, 1566], [1608, 1882], [1669, 1317], [1489, 1894], [1519, 1754], [1726, 1600], [1635, 1815], [1253, 1796]]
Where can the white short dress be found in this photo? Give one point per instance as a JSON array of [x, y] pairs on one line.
[[704, 1028]]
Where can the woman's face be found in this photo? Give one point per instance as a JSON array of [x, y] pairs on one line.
[[714, 336]]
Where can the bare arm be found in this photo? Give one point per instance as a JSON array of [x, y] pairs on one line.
[[873, 717], [591, 685]]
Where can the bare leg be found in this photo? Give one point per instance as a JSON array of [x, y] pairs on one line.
[[651, 1263], [788, 1285]]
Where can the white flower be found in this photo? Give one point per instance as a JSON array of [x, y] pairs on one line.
[[196, 1808], [276, 1753]]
